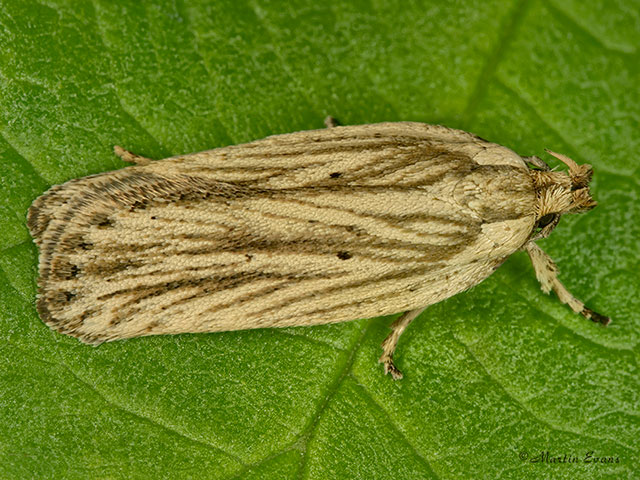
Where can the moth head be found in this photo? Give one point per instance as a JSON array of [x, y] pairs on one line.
[[559, 193]]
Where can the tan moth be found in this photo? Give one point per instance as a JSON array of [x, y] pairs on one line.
[[304, 228]]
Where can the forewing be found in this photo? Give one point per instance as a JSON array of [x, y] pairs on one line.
[[265, 234]]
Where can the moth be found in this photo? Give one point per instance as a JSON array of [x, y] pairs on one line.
[[304, 228]]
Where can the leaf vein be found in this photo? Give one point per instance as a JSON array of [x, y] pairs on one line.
[[396, 428], [524, 407]]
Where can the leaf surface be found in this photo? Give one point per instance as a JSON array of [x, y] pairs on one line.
[[494, 377]]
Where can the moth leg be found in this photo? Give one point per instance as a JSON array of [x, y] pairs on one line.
[[390, 343], [547, 274], [330, 122], [131, 157]]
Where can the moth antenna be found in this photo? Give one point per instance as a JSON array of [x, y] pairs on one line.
[[573, 166], [580, 174]]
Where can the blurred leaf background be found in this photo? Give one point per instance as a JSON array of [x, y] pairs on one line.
[[493, 377]]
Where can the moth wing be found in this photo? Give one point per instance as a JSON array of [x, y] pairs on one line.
[[304, 158], [250, 236], [45, 208]]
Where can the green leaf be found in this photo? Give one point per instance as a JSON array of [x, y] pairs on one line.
[[492, 376]]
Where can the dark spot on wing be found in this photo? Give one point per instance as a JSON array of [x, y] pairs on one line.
[[344, 255]]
